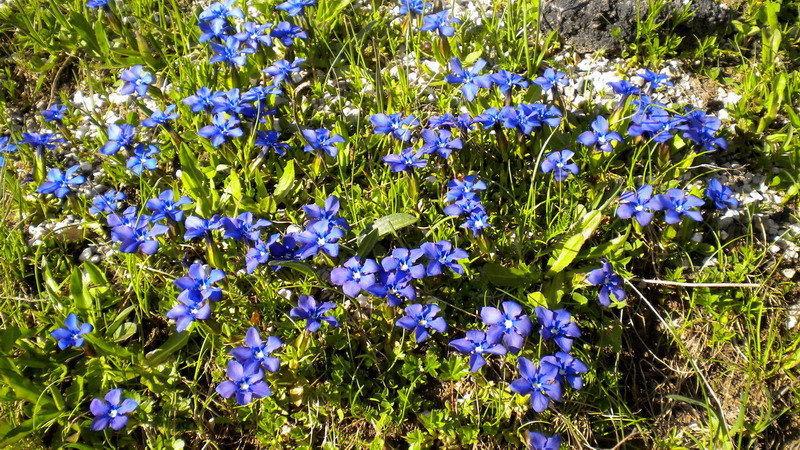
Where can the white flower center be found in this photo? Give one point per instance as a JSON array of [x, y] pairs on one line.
[[193, 311], [423, 322], [639, 208], [479, 349], [112, 413], [479, 223], [404, 266], [508, 323], [244, 386], [321, 241], [259, 354], [356, 276]]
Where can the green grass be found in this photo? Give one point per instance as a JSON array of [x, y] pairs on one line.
[[671, 367]]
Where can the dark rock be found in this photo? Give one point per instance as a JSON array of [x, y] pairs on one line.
[[591, 25]]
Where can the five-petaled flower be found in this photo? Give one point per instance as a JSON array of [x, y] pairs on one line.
[[559, 163], [422, 318], [469, 79], [569, 369], [308, 310], [55, 113], [111, 411], [72, 334], [600, 135], [677, 203], [639, 205], [143, 158], [609, 282], [475, 344], [258, 350], [355, 276], [442, 254], [394, 124], [136, 80], [551, 79], [120, 137], [558, 326], [440, 22], [511, 325], [246, 382], [540, 382], [721, 195], [221, 129], [322, 141], [539, 441], [58, 183]]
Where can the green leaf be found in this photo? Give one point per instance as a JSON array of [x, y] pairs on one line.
[[27, 427], [286, 181], [387, 224], [23, 388], [506, 276], [106, 348], [566, 251], [77, 291], [193, 181], [175, 342], [295, 265], [127, 330]]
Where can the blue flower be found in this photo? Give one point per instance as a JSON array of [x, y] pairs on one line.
[[656, 80], [71, 335], [192, 307], [198, 227], [440, 22], [41, 141], [461, 188], [413, 6], [394, 287], [559, 163], [97, 3], [202, 279], [6, 147], [215, 29], [120, 137], [136, 80], [321, 235], [624, 88], [355, 276], [511, 325], [420, 319], [166, 206], [295, 7], [308, 310], [246, 382], [394, 124], [111, 412], [677, 203], [721, 195], [407, 160], [558, 326], [270, 140], [130, 218], [446, 120], [321, 140], [569, 369], [610, 284], [287, 33], [139, 237], [107, 202], [59, 183], [475, 344], [539, 441], [403, 262], [329, 212], [259, 253], [55, 113], [639, 204], [702, 129], [242, 227], [221, 10], [231, 102], [202, 100], [551, 79], [600, 135], [540, 382], [468, 204], [160, 117], [258, 350], [254, 35], [282, 69], [531, 116], [231, 52], [439, 141], [505, 81], [477, 221], [143, 158], [221, 129], [489, 118], [442, 254], [469, 80]]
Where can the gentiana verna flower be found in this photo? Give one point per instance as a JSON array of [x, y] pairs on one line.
[[108, 202], [136, 80], [192, 306], [120, 137], [541, 383], [354, 275], [421, 319], [440, 22], [569, 369], [639, 205], [676, 204], [406, 161], [610, 284], [560, 165], [160, 117], [55, 113], [600, 135], [165, 206], [321, 140], [720, 195], [475, 344], [72, 334], [258, 350], [202, 278], [468, 79], [511, 325], [551, 78], [221, 129], [111, 411], [442, 254], [246, 382], [539, 441], [394, 124], [558, 326], [60, 183], [308, 310], [143, 158]]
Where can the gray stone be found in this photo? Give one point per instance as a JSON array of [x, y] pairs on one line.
[[591, 25]]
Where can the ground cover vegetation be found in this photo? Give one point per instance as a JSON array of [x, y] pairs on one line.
[[355, 224]]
